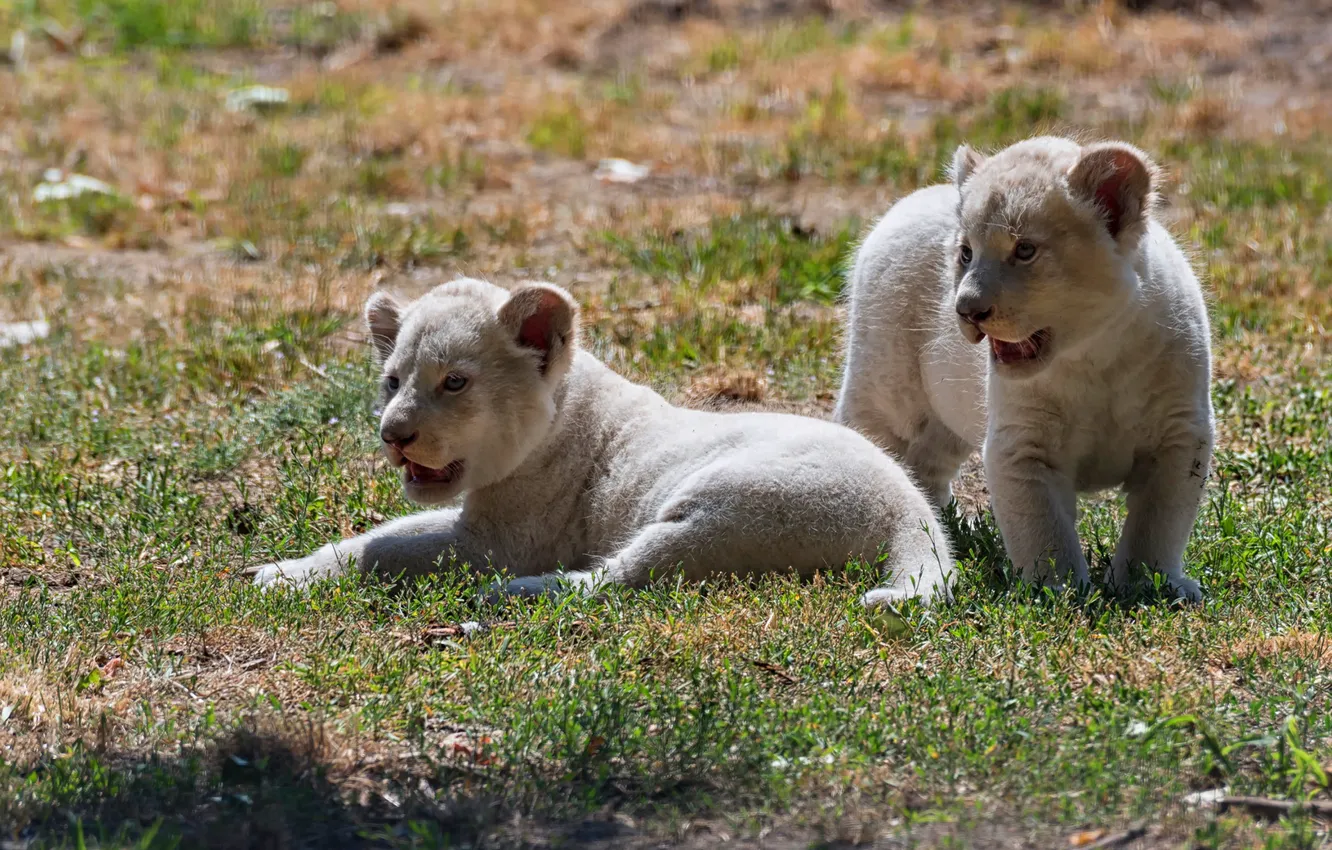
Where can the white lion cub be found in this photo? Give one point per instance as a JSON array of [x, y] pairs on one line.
[[1098, 366], [564, 464]]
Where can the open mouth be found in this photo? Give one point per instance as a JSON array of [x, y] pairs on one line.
[[1022, 351], [418, 474]]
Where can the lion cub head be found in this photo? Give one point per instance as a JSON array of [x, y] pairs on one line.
[[470, 374], [1046, 251]]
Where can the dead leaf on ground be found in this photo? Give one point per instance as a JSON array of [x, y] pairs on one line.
[[437, 634], [776, 670], [473, 748]]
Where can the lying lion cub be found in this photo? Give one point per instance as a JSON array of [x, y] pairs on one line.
[[567, 465], [1097, 368]]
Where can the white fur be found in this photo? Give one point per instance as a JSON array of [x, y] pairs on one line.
[[1119, 397], [569, 466]]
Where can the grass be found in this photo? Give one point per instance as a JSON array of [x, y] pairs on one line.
[[772, 257], [650, 700], [205, 402], [561, 131], [283, 161], [190, 24], [828, 141], [1246, 176]]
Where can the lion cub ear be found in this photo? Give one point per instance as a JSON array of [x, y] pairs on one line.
[[1120, 182], [544, 318], [383, 317], [965, 162]]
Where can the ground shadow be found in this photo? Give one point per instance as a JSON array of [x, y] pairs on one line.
[[271, 787], [252, 788]]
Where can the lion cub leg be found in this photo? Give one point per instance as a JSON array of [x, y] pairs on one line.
[[1164, 493], [1037, 510], [661, 547], [654, 550], [409, 546], [934, 457], [901, 423]]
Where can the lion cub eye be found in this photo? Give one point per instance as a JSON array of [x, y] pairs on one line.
[[964, 254], [453, 383], [1024, 251], [393, 382]]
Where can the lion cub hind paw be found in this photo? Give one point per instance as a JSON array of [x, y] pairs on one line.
[[1186, 589], [554, 585], [892, 598]]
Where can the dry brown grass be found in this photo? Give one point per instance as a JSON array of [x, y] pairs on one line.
[[721, 386], [1206, 115], [397, 115]]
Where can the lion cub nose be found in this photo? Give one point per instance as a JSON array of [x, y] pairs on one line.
[[396, 440], [974, 310]]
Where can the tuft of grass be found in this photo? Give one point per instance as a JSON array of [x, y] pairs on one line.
[[826, 113], [1240, 177], [1170, 92], [828, 142], [783, 42], [724, 56], [770, 256], [789, 40], [625, 90], [793, 352], [131, 24], [562, 131], [382, 176], [365, 243], [94, 214], [177, 25], [463, 169], [1019, 111], [283, 160]]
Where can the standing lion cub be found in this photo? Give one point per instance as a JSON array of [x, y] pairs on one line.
[[564, 464], [1096, 364]]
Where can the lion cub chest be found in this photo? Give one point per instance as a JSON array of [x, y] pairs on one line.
[[1092, 429]]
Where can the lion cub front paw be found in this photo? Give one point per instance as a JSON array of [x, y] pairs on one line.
[[287, 573], [1187, 589]]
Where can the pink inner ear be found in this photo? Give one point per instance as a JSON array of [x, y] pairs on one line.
[[1107, 198], [539, 331], [535, 331], [1110, 194]]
